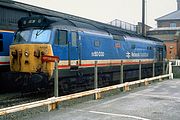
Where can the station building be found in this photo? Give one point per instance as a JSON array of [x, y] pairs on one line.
[[168, 29], [11, 11]]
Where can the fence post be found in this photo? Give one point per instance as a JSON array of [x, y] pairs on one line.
[[97, 94], [121, 74], [170, 71], [139, 69], [56, 87], [164, 65], [167, 67], [153, 68], [54, 105]]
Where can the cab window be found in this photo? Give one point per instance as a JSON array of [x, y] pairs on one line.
[[133, 46], [61, 37], [74, 38], [1, 42]]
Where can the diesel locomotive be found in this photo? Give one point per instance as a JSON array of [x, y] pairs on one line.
[[6, 38], [79, 44]]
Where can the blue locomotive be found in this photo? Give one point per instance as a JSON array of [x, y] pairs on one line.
[[6, 38], [79, 44]]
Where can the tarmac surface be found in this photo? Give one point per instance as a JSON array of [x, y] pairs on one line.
[[159, 101]]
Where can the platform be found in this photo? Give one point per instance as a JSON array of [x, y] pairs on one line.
[[158, 101]]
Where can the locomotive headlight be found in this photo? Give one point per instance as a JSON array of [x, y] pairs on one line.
[[26, 53]]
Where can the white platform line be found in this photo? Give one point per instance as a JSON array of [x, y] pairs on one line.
[[119, 115]]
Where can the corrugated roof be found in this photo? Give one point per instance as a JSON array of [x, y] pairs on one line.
[[171, 16]]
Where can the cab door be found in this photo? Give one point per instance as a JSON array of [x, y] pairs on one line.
[[73, 44], [60, 46]]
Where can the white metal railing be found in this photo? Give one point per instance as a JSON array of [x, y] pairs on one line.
[[175, 62], [124, 25]]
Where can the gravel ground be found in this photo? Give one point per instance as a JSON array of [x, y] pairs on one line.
[[12, 99]]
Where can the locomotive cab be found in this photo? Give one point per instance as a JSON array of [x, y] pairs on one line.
[[31, 43], [38, 37]]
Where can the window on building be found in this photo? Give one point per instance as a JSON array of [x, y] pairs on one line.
[[1, 42], [172, 24]]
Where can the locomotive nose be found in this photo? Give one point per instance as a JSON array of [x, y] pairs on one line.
[[27, 58]]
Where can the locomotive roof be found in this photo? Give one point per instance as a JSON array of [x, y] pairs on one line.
[[75, 22]]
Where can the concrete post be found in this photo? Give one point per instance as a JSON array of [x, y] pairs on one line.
[[97, 95], [121, 74], [170, 71], [164, 65], [167, 67], [56, 86], [139, 69], [153, 68], [95, 76]]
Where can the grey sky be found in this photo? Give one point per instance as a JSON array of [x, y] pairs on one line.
[[108, 10]]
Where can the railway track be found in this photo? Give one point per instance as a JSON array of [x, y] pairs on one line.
[[11, 99], [17, 98], [66, 86]]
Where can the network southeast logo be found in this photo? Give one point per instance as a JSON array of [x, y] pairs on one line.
[[136, 54], [128, 54]]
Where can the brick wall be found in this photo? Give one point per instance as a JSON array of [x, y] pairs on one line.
[[170, 41], [171, 48], [167, 23]]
